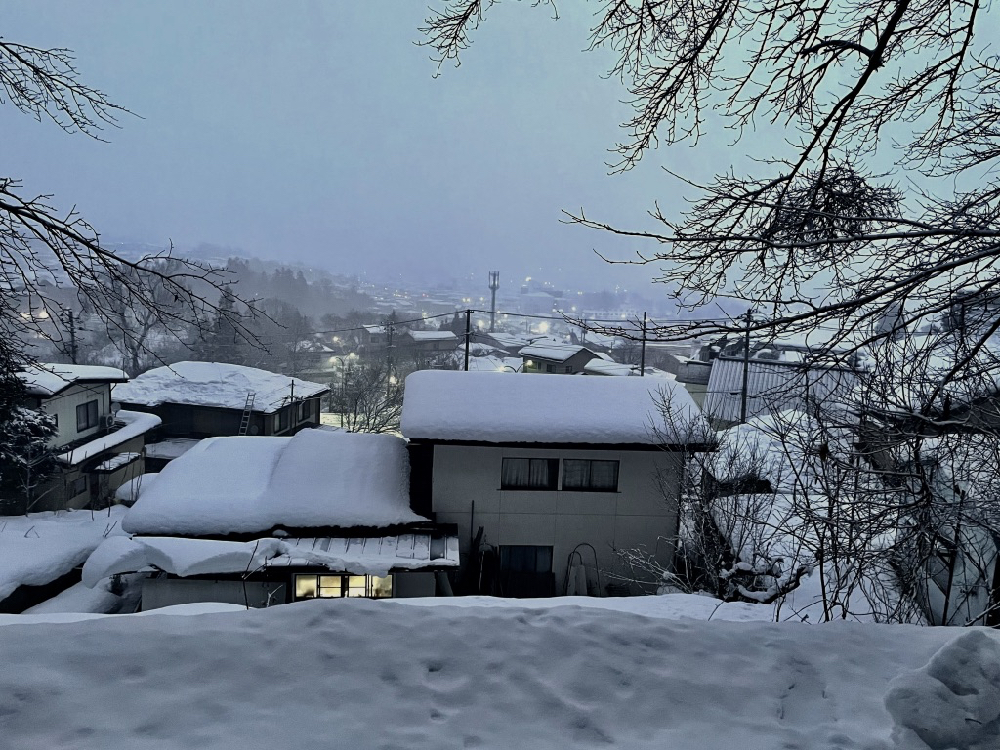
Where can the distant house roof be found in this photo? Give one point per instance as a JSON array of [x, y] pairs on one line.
[[433, 336], [494, 407], [600, 366], [46, 380], [242, 485], [556, 352], [215, 384]]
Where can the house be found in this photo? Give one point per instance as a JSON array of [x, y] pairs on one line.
[[262, 521], [554, 357], [97, 446], [780, 375], [546, 477], [213, 399], [428, 342]]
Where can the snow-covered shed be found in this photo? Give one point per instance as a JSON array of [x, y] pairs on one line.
[[556, 472], [215, 399], [276, 519]]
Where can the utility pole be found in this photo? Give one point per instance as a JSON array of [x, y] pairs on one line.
[[468, 335], [642, 359], [72, 337], [494, 285], [746, 368], [389, 330]]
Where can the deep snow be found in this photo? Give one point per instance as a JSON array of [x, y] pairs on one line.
[[384, 674]]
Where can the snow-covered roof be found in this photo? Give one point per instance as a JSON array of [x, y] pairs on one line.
[[252, 484], [187, 557], [215, 384], [433, 336], [116, 462], [47, 380], [601, 366], [39, 548], [134, 424], [498, 408], [556, 352]]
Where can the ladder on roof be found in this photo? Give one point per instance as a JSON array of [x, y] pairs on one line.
[[247, 410]]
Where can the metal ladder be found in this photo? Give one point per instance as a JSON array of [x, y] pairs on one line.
[[247, 410]]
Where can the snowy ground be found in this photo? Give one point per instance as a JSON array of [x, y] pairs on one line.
[[386, 674], [40, 547]]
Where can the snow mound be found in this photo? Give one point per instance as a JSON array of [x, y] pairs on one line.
[[952, 703], [368, 674]]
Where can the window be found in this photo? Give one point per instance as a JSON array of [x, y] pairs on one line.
[[86, 416], [324, 586], [567, 369], [529, 474], [281, 420], [590, 476], [550, 368], [305, 410], [525, 558]]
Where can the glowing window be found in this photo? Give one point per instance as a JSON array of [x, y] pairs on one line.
[[336, 586]]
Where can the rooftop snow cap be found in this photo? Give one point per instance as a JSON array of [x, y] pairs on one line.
[[496, 407], [49, 379], [240, 485], [215, 384]]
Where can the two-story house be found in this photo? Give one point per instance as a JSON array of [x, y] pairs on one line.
[[98, 448], [212, 399], [547, 477]]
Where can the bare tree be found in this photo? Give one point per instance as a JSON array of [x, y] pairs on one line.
[[370, 398], [42, 249], [815, 235]]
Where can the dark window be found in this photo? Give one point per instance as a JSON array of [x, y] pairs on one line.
[[550, 368], [568, 369], [86, 416], [77, 486], [281, 420], [590, 476], [523, 558], [529, 474], [305, 410]]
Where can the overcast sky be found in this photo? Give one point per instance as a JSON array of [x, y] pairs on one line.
[[316, 132]]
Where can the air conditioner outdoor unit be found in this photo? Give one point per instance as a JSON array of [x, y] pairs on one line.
[[109, 421]]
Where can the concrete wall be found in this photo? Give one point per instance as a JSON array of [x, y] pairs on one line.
[[164, 592], [634, 516]]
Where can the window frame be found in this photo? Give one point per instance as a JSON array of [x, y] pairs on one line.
[[91, 415], [344, 588], [588, 485], [553, 471]]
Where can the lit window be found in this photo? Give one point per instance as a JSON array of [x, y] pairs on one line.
[[314, 586]]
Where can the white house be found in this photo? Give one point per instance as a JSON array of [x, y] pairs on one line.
[[268, 520], [98, 449], [556, 472]]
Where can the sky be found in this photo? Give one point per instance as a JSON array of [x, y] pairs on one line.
[[317, 132]]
